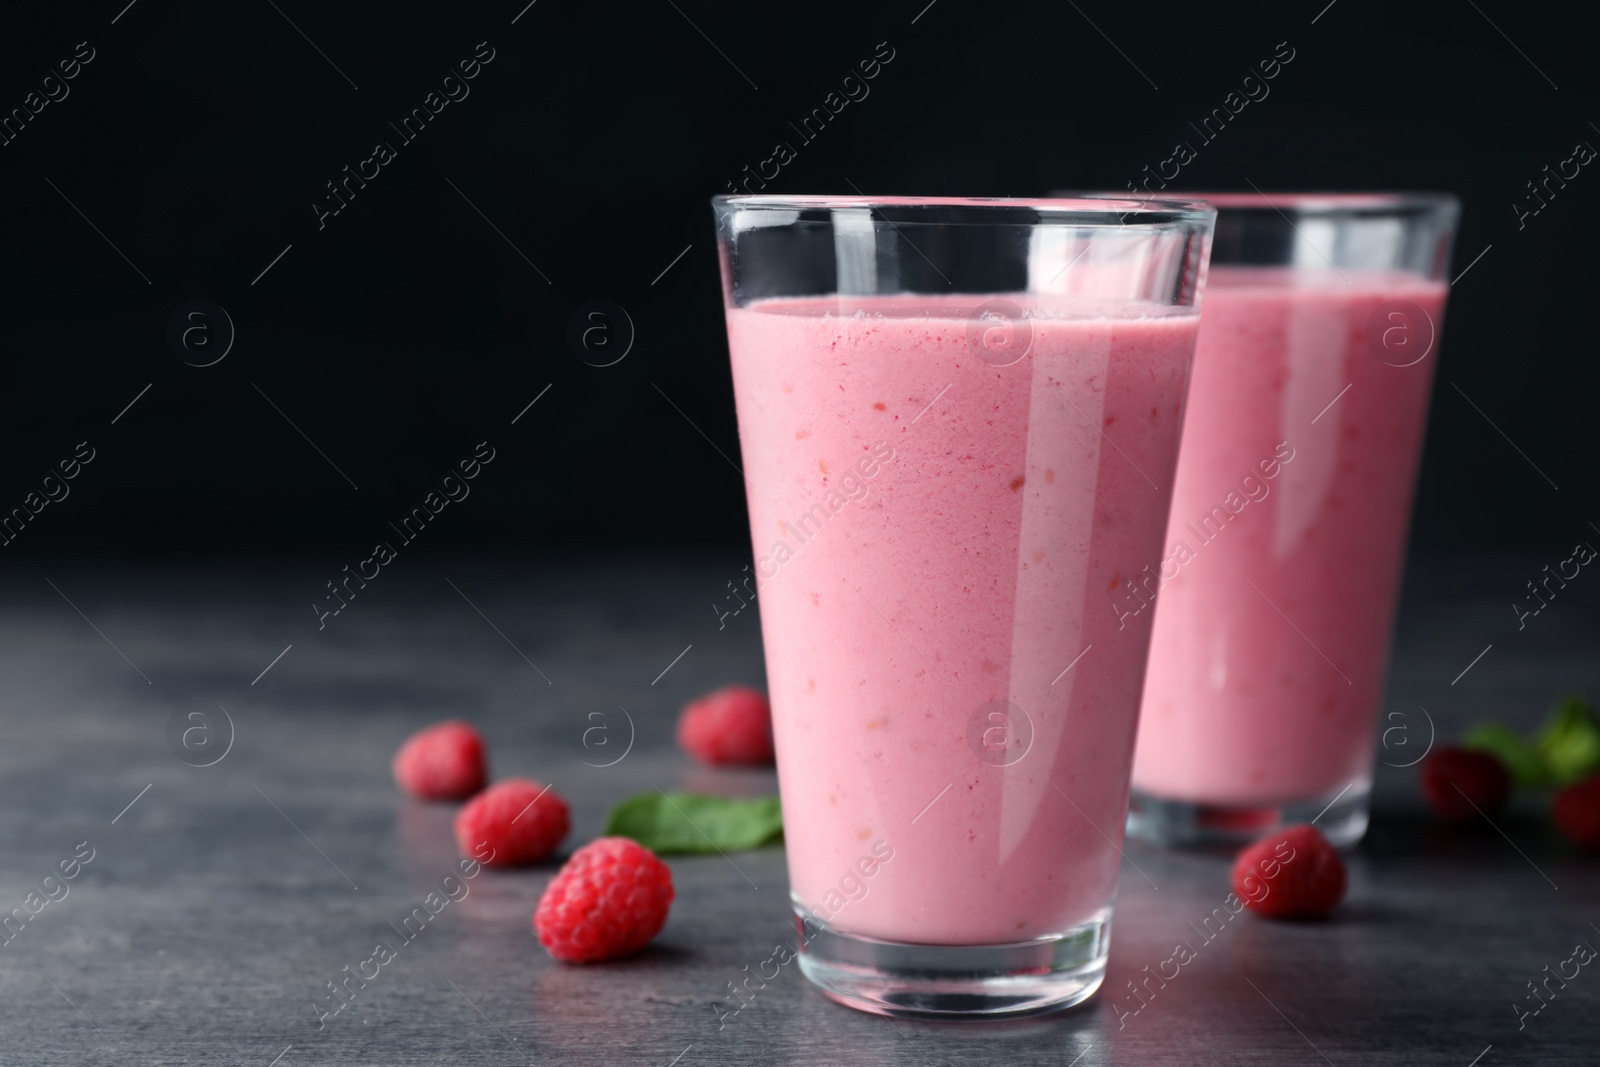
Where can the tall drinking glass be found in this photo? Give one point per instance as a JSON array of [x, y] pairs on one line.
[[958, 421], [1280, 571]]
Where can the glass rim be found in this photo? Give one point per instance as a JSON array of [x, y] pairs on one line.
[[1326, 203], [1323, 202], [1121, 209]]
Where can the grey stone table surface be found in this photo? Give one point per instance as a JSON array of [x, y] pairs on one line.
[[221, 900]]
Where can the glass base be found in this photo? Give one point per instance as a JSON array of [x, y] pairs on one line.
[[956, 981], [1342, 818]]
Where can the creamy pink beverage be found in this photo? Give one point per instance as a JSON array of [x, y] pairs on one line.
[[937, 537], [1279, 576]]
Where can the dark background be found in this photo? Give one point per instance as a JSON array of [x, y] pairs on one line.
[[409, 329]]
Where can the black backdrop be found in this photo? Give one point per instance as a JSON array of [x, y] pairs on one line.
[[184, 158]]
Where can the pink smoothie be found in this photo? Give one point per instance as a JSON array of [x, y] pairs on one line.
[[933, 533], [1270, 694]]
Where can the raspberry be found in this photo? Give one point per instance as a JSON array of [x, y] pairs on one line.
[[1454, 779], [609, 900], [732, 725], [1576, 812], [515, 822], [443, 762], [1293, 874]]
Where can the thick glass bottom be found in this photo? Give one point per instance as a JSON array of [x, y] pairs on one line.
[[956, 981], [1340, 815]]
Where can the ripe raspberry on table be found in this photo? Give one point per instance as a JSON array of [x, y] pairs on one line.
[[519, 820], [1293, 874], [610, 899], [732, 725], [1464, 783], [1576, 812], [443, 762]]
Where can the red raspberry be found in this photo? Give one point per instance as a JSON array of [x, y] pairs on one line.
[[732, 725], [1293, 874], [609, 900], [519, 820], [443, 762], [1576, 812], [1454, 779]]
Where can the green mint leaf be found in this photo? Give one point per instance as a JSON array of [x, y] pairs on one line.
[[1519, 755], [1570, 741], [692, 822]]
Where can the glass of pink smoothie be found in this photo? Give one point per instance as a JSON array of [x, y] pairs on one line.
[[959, 422], [1280, 570]]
